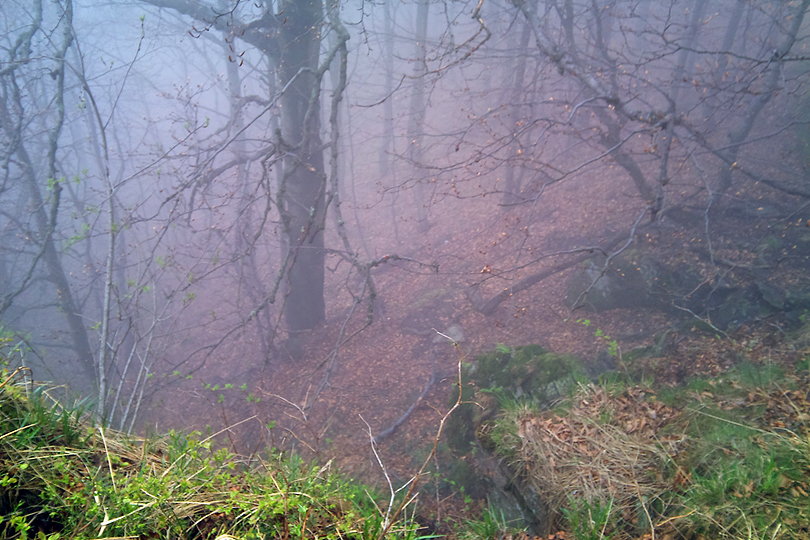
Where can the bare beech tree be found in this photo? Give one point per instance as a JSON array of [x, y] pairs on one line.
[[290, 35], [417, 110], [672, 94]]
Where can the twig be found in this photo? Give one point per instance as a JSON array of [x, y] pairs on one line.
[[21, 369], [109, 462], [391, 513], [380, 462], [705, 321], [401, 420]]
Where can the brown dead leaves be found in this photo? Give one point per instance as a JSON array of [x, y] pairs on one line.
[[606, 447]]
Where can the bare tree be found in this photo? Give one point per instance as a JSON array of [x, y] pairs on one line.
[[32, 124], [74, 248], [638, 87], [417, 109], [291, 39]]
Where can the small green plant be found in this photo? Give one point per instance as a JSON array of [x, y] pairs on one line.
[[12, 347], [500, 348], [491, 524], [502, 434], [588, 519], [611, 344], [758, 375], [61, 477], [748, 482]]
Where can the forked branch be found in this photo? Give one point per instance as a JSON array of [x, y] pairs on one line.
[[393, 510]]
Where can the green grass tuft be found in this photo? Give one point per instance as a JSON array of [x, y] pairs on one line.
[[62, 477]]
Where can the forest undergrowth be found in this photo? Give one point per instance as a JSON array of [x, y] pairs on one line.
[[722, 453], [62, 476]]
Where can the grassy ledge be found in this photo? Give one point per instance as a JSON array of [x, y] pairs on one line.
[[63, 477], [720, 456]]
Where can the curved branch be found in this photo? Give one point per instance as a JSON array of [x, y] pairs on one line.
[[262, 33]]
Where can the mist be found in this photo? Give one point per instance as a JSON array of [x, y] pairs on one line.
[[306, 214]]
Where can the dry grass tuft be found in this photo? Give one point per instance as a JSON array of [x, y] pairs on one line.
[[605, 448]]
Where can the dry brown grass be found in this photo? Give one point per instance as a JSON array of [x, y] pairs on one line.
[[605, 448]]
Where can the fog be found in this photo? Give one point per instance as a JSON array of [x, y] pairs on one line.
[[298, 197]]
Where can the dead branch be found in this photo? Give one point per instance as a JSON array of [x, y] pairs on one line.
[[402, 419], [392, 513]]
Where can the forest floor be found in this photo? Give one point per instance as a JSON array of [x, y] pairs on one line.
[[348, 387]]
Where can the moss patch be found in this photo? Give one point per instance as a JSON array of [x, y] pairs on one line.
[[507, 376]]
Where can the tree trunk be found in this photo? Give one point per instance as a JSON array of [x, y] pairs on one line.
[[302, 190], [388, 174], [514, 171], [681, 74], [291, 39], [416, 113], [56, 272]]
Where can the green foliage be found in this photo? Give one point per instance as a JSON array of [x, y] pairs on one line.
[[220, 390], [63, 478], [611, 344], [588, 520], [740, 467], [491, 524], [11, 346], [616, 382], [522, 371], [763, 376], [500, 348], [509, 376], [746, 481], [501, 435]]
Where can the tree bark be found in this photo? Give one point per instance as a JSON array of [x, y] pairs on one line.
[[417, 111], [514, 171], [303, 187], [292, 40]]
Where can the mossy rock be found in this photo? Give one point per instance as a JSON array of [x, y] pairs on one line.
[[497, 385], [635, 279], [508, 376], [529, 371]]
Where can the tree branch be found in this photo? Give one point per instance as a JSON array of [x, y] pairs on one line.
[[262, 33]]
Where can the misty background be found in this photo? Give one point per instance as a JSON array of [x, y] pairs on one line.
[[196, 192]]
